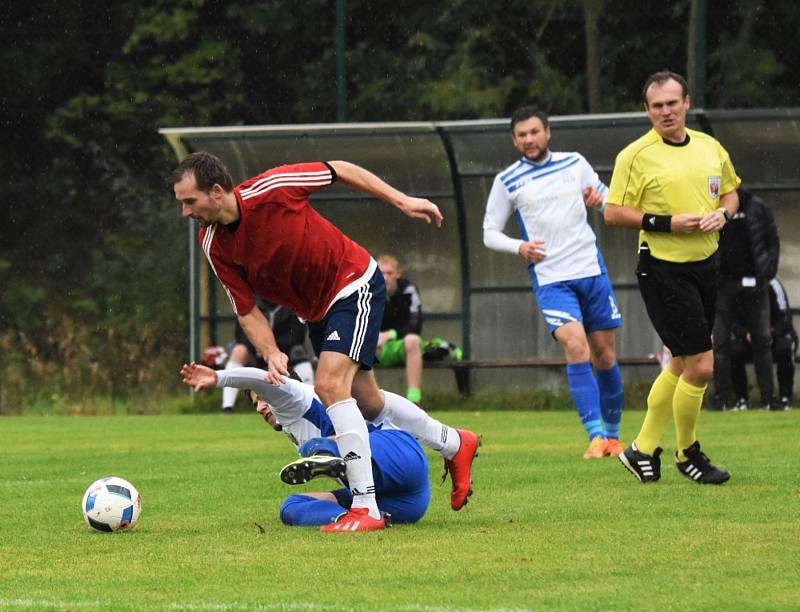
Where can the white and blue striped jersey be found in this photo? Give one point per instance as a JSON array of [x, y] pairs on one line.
[[547, 201]]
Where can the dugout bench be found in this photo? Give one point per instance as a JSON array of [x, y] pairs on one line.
[[462, 369]]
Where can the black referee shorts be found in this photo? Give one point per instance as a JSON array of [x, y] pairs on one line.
[[680, 300]]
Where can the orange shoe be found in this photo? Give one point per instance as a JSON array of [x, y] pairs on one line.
[[614, 447], [596, 449], [460, 469], [355, 519]]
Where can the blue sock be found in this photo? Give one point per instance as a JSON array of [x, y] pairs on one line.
[[307, 511], [611, 399], [585, 396]]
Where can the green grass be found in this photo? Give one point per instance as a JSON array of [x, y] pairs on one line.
[[544, 530]]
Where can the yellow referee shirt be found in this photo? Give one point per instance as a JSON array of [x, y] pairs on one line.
[[662, 178]]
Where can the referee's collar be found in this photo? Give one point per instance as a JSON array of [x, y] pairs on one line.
[[676, 144]]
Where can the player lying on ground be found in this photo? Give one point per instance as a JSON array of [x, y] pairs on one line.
[[426, 430], [399, 466]]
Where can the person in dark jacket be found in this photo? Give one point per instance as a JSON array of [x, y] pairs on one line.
[[784, 347], [749, 248], [290, 334], [400, 341]]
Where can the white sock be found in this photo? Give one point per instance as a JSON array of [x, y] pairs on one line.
[[305, 371], [229, 394], [353, 440], [431, 433]]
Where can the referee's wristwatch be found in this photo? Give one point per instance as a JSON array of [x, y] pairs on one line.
[[725, 213]]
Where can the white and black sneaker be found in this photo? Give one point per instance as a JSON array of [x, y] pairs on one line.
[[303, 470], [699, 468], [647, 468]]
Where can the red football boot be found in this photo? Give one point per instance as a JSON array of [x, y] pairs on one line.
[[460, 467], [355, 519]]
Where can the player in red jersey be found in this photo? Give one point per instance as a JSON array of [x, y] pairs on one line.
[[262, 238]]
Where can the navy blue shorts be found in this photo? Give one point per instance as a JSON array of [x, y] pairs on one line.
[[353, 324]]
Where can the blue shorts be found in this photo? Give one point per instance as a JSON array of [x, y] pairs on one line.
[[588, 300], [352, 324], [399, 468], [401, 473]]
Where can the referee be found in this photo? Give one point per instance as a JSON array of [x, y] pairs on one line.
[[678, 187]]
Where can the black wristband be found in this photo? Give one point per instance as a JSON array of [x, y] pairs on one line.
[[656, 223]]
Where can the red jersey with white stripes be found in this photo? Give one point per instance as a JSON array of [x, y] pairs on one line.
[[283, 250]]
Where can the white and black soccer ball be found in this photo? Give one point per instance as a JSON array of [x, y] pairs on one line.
[[111, 504]]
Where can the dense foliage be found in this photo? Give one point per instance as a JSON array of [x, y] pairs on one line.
[[92, 268]]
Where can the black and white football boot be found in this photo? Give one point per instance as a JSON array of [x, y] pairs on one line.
[[647, 468], [699, 468]]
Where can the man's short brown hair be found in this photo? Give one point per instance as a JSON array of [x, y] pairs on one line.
[[208, 170], [523, 113], [661, 77]]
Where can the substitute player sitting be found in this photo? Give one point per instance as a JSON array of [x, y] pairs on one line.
[[399, 465], [548, 194], [399, 341]]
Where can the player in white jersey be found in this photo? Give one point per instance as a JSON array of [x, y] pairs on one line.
[[548, 193]]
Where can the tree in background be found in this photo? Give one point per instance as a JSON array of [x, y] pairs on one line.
[[91, 246]]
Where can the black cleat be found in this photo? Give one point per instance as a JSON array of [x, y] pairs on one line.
[[698, 468], [306, 468], [647, 468]]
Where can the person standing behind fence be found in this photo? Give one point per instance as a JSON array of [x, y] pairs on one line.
[[678, 187], [548, 194], [784, 347], [749, 250], [399, 341]]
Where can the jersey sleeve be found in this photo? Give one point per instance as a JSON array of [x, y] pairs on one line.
[[498, 210], [624, 190], [729, 179], [289, 401], [590, 178], [291, 184], [230, 276]]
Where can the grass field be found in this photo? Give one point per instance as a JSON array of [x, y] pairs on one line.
[[544, 530]]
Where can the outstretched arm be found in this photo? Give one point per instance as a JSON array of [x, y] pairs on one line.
[[365, 181], [198, 377]]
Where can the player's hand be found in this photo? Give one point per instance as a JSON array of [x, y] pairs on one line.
[[713, 221], [420, 208], [277, 368], [685, 223], [592, 198], [198, 377], [532, 251]]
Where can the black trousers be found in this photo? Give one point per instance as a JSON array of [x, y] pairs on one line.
[[752, 304], [782, 355]]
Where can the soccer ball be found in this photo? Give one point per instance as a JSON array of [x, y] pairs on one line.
[[111, 504]]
